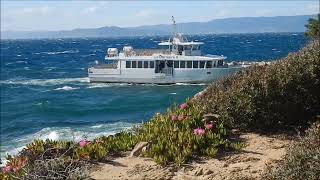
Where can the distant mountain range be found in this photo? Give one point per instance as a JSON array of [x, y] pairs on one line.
[[219, 26]]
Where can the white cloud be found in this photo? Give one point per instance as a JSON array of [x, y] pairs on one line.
[[90, 10], [103, 3], [265, 12], [222, 13], [313, 8], [34, 11], [145, 13]]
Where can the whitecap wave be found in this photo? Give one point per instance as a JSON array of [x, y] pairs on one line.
[[59, 52], [17, 62], [190, 84], [66, 88], [45, 82]]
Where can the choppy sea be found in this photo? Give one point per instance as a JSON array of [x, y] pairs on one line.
[[45, 91]]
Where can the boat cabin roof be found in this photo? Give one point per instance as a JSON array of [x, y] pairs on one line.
[[179, 43]]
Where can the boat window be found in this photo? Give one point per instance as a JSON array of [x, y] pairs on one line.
[[195, 64], [169, 63], [220, 63], [139, 64], [188, 47], [214, 63], [182, 64], [209, 64], [128, 64], [151, 64], [145, 64], [180, 49], [176, 64], [134, 64], [202, 63], [189, 64]]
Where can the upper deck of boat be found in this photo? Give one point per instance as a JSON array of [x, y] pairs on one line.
[[160, 54]]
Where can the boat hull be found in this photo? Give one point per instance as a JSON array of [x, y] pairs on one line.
[[147, 76]]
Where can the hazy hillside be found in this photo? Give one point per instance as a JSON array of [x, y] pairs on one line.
[[228, 25]]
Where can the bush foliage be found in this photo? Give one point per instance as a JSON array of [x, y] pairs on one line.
[[281, 95], [313, 28], [302, 160]]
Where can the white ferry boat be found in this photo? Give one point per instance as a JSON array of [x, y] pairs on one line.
[[180, 61]]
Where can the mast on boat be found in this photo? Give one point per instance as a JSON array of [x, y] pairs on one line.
[[174, 26]]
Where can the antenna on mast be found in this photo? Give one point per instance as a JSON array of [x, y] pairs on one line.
[[174, 25]]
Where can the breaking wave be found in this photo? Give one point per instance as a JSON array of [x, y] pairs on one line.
[[59, 52], [66, 88], [45, 82], [17, 62], [66, 133]]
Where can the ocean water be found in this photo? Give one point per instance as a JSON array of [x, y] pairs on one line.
[[45, 91]]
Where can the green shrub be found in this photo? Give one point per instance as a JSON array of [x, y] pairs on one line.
[[302, 160], [284, 94], [175, 136]]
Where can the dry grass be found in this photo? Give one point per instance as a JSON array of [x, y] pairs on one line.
[[302, 160]]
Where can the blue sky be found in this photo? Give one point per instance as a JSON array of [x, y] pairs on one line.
[[66, 15]]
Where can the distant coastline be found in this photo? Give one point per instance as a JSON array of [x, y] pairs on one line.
[[240, 25]]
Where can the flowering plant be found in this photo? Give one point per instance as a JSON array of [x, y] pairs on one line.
[[199, 132]]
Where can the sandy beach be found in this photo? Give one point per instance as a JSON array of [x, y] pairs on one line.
[[261, 152]]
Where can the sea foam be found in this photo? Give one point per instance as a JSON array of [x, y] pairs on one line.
[[44, 82], [65, 133], [66, 88]]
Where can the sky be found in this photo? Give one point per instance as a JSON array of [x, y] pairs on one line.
[[71, 14]]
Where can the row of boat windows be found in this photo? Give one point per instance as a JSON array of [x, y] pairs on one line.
[[175, 64], [139, 64]]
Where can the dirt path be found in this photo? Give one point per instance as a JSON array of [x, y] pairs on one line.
[[260, 152]]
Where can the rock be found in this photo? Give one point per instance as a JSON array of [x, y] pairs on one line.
[[199, 94], [211, 117], [117, 134], [138, 148]]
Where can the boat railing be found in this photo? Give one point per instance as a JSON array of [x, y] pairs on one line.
[[149, 52]]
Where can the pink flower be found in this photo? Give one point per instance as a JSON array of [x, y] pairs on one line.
[[199, 132], [208, 126], [183, 106], [15, 169], [181, 117], [6, 169], [83, 143], [24, 162], [174, 118]]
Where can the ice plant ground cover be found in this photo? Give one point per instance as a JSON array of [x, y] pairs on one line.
[[282, 95]]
